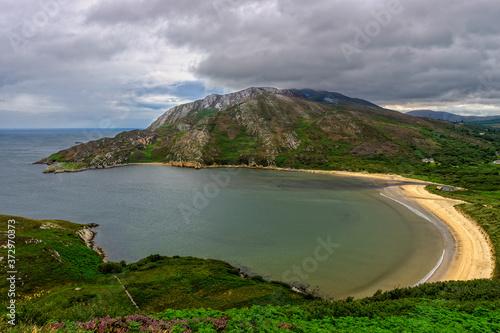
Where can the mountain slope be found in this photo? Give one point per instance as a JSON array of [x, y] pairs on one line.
[[334, 98], [275, 127]]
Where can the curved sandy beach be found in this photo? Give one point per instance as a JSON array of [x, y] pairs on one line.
[[469, 252], [473, 255]]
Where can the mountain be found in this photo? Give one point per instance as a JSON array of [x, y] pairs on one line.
[[441, 115], [284, 128], [447, 116], [214, 102]]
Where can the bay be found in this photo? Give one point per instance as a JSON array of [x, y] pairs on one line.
[[334, 233]]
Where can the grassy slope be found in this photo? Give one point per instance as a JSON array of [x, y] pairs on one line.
[[52, 246], [46, 289], [439, 307]]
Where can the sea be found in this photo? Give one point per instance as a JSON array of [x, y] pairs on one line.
[[333, 234]]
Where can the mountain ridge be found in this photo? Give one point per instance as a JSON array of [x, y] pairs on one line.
[[273, 127], [452, 117], [214, 101]]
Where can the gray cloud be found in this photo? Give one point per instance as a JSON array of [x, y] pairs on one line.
[[91, 61]]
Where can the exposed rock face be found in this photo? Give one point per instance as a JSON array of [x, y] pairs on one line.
[[212, 102], [88, 235], [270, 127], [103, 153]]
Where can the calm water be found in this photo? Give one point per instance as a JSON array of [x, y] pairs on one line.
[[336, 233]]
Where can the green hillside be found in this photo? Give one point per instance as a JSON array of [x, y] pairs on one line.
[[284, 129], [60, 278]]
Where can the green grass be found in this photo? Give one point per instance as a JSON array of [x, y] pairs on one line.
[[315, 150], [439, 307], [482, 177], [203, 113], [206, 113], [58, 253], [152, 153], [185, 282], [57, 157], [236, 150], [52, 260], [72, 165], [175, 283]]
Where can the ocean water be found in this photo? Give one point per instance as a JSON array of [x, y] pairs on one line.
[[337, 234]]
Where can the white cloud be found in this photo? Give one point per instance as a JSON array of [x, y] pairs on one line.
[[31, 104]]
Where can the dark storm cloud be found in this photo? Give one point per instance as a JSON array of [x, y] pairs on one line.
[[90, 61], [424, 51]]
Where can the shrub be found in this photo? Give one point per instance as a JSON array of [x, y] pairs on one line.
[[258, 278], [110, 267], [283, 284], [154, 257]]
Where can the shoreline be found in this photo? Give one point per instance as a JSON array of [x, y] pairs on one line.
[[473, 251], [88, 234], [469, 252]]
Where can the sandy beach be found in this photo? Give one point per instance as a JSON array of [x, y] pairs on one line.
[[472, 251], [473, 255], [469, 252]]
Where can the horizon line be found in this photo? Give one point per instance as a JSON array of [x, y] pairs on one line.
[[70, 128]]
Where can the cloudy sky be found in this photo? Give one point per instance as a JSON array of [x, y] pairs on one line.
[[122, 63]]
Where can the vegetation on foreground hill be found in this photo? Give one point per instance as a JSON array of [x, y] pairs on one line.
[[59, 278], [64, 286]]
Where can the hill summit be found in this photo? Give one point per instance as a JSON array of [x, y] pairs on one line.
[[277, 128]]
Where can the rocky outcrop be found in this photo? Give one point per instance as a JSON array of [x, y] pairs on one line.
[[88, 235], [212, 102]]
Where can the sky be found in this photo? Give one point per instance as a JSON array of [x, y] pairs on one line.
[[122, 63]]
